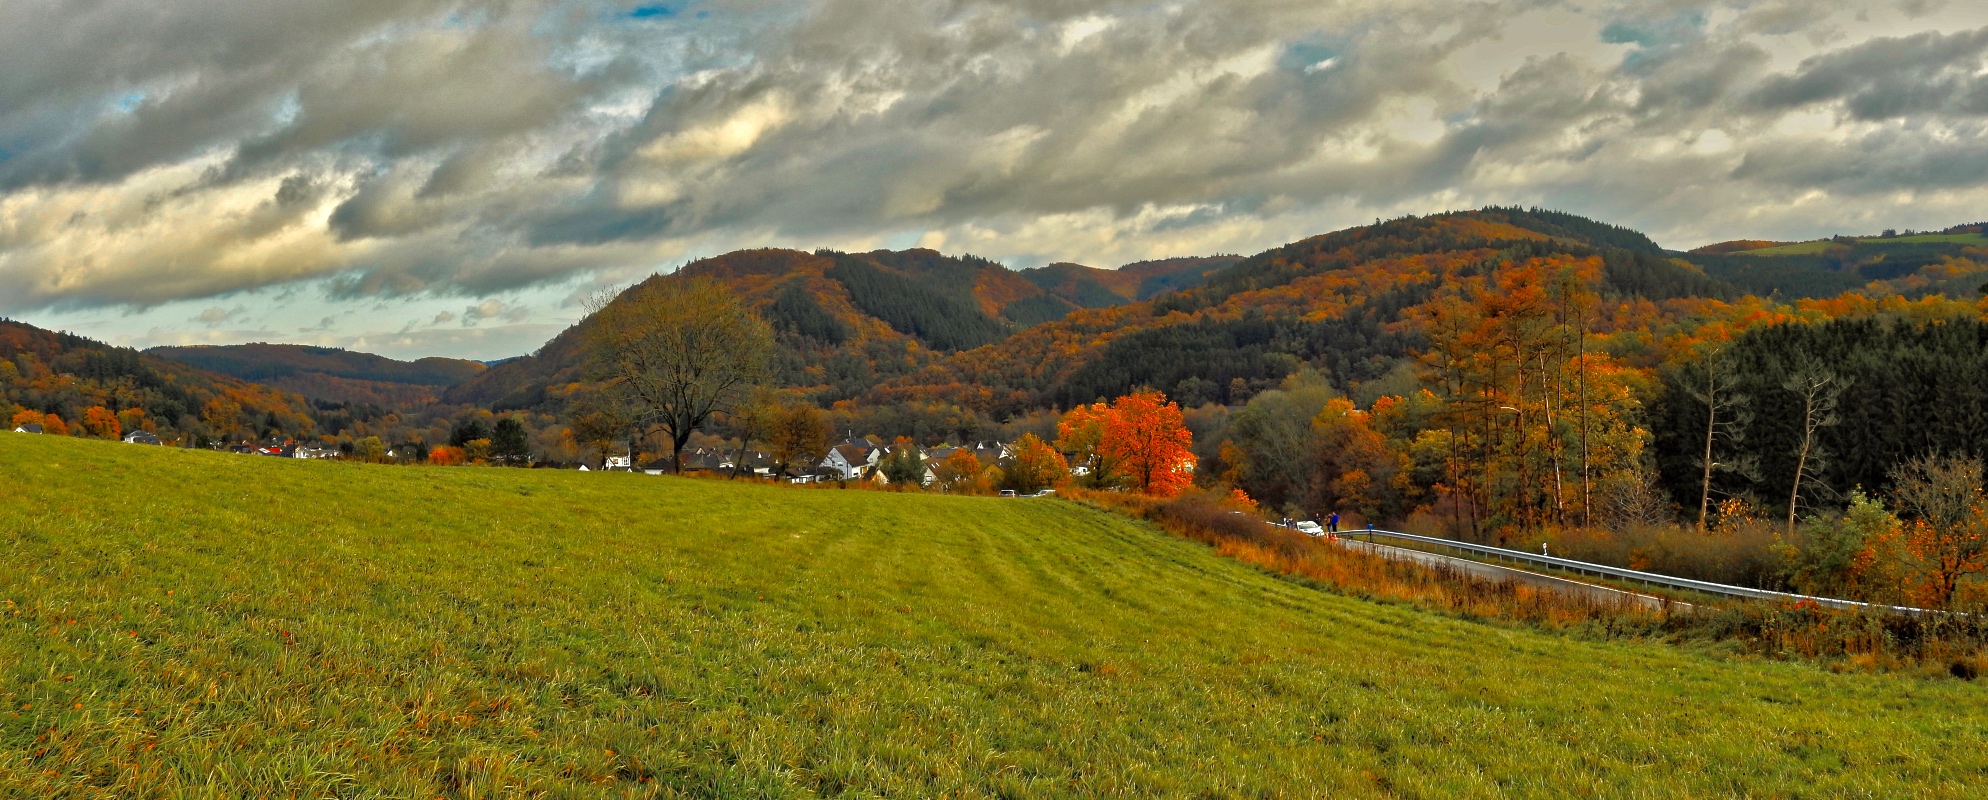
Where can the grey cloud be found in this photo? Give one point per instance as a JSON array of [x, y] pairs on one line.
[[1889, 78]]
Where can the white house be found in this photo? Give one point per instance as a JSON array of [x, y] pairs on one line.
[[853, 459], [32, 427], [141, 437]]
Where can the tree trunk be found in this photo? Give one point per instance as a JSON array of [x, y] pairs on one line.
[[1587, 496], [1711, 426], [1795, 494]]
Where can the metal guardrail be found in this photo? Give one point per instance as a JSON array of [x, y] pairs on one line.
[[1650, 578]]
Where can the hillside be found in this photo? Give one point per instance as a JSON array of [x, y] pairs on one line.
[[953, 335], [847, 321], [67, 376], [327, 373], [358, 626], [1343, 303]]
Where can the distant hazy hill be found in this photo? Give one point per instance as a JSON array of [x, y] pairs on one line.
[[847, 321], [327, 373]]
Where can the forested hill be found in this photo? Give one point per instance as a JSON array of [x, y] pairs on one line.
[[94, 388], [922, 330], [848, 321], [330, 374], [1344, 303]]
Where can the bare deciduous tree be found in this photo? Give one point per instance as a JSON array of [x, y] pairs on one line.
[[1819, 389], [1726, 417], [675, 351]]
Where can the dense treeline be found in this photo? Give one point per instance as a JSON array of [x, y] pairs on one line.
[[1888, 391], [913, 308], [795, 310]]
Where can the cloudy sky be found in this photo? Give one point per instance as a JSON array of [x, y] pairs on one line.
[[446, 177]]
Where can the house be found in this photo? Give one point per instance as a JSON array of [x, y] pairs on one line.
[[813, 474], [702, 459], [141, 437], [618, 462], [853, 459], [32, 427], [990, 453], [759, 463]]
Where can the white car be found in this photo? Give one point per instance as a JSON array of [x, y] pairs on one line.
[[1309, 528]]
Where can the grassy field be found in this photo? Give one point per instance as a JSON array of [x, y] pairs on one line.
[[1796, 249], [1823, 245], [180, 624], [1950, 238]]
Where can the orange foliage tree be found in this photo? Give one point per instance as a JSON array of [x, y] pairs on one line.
[[446, 456], [52, 424], [961, 473], [1356, 470], [1948, 535], [1145, 434], [1034, 466], [101, 423], [1081, 434]]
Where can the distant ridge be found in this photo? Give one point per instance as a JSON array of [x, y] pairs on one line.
[[329, 373]]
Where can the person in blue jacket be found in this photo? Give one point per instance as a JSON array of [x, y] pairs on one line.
[[1332, 523]]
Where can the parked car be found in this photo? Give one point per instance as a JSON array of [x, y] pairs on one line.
[[1309, 528], [1008, 493]]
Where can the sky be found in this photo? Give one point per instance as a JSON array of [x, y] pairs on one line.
[[454, 177]]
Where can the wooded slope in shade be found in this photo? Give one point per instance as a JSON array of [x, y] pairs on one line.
[[328, 373], [261, 362], [617, 631]]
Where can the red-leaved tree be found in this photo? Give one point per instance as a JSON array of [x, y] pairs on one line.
[[1145, 435]]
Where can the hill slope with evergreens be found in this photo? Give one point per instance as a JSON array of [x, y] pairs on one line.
[[235, 625], [329, 373]]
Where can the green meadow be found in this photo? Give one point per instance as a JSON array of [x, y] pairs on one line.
[[192, 624], [1820, 246]]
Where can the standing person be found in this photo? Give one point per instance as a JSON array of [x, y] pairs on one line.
[[1332, 522]]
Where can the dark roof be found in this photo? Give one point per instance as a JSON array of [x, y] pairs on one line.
[[32, 427]]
